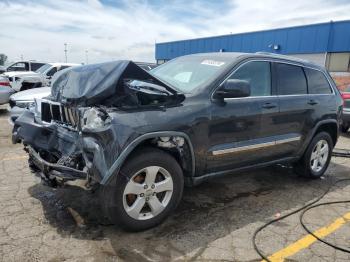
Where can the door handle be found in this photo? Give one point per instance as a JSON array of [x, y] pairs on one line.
[[312, 102], [269, 105]]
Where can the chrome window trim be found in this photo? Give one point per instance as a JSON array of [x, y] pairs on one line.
[[255, 146], [274, 61]]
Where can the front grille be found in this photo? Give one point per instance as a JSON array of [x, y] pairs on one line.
[[347, 103], [59, 113]]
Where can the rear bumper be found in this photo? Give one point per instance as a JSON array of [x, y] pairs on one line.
[[346, 116]]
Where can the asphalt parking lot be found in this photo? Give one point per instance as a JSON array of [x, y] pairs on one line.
[[214, 222]]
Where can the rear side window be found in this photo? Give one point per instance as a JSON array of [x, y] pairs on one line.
[[35, 66], [52, 71], [290, 80], [317, 82], [258, 74], [64, 67]]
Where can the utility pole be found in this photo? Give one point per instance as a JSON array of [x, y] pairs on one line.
[[65, 51], [86, 56], [21, 57]]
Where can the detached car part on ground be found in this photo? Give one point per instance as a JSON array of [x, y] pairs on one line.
[[141, 136]]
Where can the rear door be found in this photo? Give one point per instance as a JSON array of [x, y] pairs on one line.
[[293, 121], [322, 101]]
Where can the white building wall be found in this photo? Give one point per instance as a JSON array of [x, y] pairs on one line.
[[319, 58]]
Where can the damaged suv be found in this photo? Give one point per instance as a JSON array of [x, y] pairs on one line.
[[141, 136]]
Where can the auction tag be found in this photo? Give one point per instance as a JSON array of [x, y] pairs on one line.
[[212, 62]]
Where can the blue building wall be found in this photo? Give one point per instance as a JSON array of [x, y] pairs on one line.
[[316, 38]]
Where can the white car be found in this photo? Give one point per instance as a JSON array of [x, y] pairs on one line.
[[5, 93], [21, 101], [21, 81]]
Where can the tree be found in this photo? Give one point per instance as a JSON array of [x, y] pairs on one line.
[[3, 59]]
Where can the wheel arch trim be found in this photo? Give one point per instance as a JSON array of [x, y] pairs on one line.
[[314, 130], [129, 149]]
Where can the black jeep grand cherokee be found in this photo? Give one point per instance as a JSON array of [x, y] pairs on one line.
[[140, 136]]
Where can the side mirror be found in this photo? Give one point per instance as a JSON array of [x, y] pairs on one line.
[[233, 88]]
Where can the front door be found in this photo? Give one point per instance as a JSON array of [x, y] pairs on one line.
[[238, 126]]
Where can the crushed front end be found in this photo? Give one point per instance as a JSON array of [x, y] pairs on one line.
[[93, 113]]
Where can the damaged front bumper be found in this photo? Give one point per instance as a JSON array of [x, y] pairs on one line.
[[53, 151], [52, 169], [57, 152]]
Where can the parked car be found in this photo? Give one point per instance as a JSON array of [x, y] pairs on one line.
[[140, 136], [5, 93], [21, 101], [21, 81], [25, 66], [4, 81], [2, 69], [346, 110]]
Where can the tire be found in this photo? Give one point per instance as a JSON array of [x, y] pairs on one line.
[[133, 178], [307, 166], [345, 128]]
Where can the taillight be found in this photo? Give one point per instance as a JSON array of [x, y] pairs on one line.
[[345, 96], [2, 83]]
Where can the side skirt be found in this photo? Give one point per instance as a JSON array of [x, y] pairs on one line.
[[194, 181]]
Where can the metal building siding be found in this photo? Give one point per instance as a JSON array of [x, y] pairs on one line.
[[318, 38], [340, 37]]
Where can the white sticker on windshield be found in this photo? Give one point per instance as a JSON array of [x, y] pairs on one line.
[[212, 63]]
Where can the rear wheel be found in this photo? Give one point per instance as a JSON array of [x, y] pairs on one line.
[[316, 159], [148, 188]]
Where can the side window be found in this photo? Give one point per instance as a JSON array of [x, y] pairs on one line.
[[63, 67], [317, 82], [258, 74], [17, 67], [290, 79], [52, 71], [35, 66]]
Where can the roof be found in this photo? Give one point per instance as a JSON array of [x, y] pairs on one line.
[[315, 38], [63, 64], [263, 55]]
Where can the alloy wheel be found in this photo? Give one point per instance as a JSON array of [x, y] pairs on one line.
[[319, 155], [148, 192]]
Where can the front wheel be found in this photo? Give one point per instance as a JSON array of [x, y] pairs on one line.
[[317, 156], [148, 188]]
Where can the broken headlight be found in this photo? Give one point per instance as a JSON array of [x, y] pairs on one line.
[[94, 118]]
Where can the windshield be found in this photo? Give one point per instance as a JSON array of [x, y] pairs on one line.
[[189, 72], [42, 69]]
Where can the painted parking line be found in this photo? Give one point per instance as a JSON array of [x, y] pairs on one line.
[[13, 158], [308, 240]]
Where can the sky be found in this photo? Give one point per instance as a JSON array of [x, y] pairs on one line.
[[105, 30]]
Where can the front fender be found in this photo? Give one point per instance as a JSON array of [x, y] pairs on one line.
[[113, 170]]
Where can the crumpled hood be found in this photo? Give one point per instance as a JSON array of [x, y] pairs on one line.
[[91, 84]]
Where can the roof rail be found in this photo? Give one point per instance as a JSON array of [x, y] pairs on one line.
[[290, 57]]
